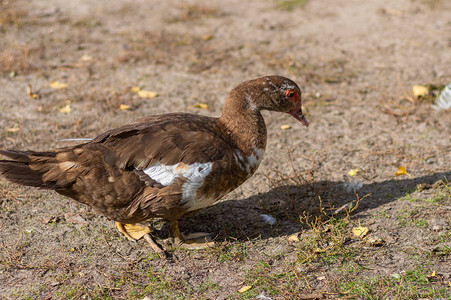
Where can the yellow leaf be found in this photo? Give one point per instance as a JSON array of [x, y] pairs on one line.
[[147, 94], [360, 231], [13, 129], [124, 106], [285, 127], [65, 109], [432, 274], [401, 171], [199, 105], [420, 90], [30, 92], [58, 85], [135, 89], [245, 288], [206, 37], [353, 172], [294, 237], [86, 58], [394, 12]]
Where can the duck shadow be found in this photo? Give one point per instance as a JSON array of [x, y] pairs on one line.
[[242, 219]]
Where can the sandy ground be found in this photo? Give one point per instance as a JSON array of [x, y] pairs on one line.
[[356, 62]]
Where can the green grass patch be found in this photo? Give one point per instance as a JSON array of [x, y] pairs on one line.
[[418, 282], [230, 252], [262, 279], [290, 4]]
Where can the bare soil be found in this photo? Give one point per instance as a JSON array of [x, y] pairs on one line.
[[356, 62]]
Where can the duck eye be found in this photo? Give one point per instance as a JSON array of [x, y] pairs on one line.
[[290, 94]]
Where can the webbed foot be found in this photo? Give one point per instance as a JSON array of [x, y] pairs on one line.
[[134, 232]]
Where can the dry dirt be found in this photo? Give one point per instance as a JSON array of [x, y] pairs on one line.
[[356, 62]]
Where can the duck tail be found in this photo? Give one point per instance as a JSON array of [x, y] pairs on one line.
[[48, 170]]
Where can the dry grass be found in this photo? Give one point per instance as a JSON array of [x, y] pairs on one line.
[[19, 59], [11, 14], [189, 12]]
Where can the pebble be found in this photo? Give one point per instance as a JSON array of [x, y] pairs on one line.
[[436, 224], [375, 241]]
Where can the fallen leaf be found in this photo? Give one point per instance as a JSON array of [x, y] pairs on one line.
[[124, 107], [13, 129], [30, 92], [206, 37], [86, 58], [360, 231], [394, 12], [432, 274], [199, 105], [420, 90], [147, 94], [58, 85], [285, 127], [135, 89], [353, 172], [401, 171], [65, 109], [245, 288], [294, 237]]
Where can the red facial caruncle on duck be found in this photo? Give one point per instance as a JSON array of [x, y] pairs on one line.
[[296, 112]]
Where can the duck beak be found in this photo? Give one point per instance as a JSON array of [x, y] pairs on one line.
[[296, 112]]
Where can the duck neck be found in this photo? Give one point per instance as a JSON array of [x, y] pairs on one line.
[[244, 125]]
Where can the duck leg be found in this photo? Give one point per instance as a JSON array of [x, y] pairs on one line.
[[174, 233], [197, 240], [134, 232]]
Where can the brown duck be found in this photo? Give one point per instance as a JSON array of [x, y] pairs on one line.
[[162, 166]]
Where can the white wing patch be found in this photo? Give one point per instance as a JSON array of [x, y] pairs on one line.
[[194, 173], [166, 175], [162, 174]]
